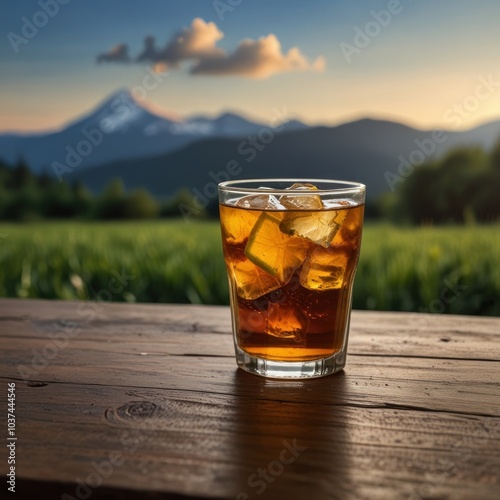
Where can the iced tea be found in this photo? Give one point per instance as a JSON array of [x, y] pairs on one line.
[[291, 261]]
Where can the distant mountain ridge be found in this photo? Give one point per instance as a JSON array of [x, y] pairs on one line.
[[122, 138], [368, 151], [121, 128]]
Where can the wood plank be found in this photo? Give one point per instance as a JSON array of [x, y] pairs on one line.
[[415, 414], [202, 444], [198, 318], [372, 333], [457, 386], [425, 335]]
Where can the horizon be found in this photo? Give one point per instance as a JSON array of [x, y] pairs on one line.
[[161, 112], [396, 60]]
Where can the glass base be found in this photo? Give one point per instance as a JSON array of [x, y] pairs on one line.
[[290, 369]]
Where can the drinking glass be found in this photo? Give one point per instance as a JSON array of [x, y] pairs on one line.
[[291, 248]]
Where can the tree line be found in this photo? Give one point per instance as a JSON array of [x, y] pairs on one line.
[[461, 187], [25, 196]]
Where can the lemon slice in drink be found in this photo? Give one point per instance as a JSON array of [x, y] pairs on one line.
[[273, 251]]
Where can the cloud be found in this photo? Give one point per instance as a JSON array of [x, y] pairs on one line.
[[119, 53], [198, 43], [257, 59], [150, 52]]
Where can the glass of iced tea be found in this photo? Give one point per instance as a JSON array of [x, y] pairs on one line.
[[291, 248]]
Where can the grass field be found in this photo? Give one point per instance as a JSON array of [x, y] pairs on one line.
[[445, 269]]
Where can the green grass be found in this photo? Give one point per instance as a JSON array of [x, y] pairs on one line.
[[169, 261], [444, 269], [436, 269]]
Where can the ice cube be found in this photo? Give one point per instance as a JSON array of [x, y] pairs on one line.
[[320, 226], [301, 202], [251, 319], [250, 280], [351, 228], [237, 224], [260, 202], [286, 321], [324, 269]]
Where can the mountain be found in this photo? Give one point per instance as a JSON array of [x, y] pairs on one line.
[[122, 138], [363, 151], [120, 128], [231, 125]]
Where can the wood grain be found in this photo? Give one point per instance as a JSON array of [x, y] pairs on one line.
[[415, 414]]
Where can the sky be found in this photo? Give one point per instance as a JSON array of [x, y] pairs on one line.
[[421, 62]]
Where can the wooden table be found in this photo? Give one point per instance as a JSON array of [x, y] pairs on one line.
[[145, 401]]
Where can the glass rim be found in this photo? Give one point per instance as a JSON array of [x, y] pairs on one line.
[[348, 187]]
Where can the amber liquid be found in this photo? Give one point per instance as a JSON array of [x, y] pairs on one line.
[[323, 314]]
